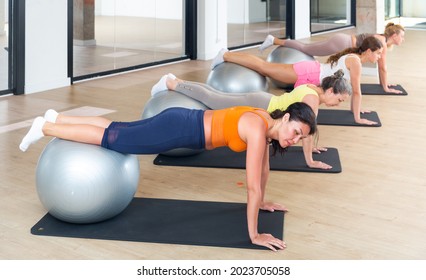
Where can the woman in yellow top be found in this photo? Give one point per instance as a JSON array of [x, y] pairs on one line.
[[240, 128], [333, 90]]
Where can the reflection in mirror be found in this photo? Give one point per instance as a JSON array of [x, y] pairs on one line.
[[114, 34], [4, 45], [251, 21]]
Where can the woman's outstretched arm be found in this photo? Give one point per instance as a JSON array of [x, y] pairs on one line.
[[252, 130], [383, 72], [354, 65], [307, 152]]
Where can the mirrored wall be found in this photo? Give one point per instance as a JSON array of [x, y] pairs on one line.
[[249, 22], [4, 46], [330, 14], [119, 34], [409, 13]]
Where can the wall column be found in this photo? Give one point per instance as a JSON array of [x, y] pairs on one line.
[[370, 16], [84, 22], [212, 28]]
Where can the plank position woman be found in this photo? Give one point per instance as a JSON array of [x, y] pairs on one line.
[[239, 128]]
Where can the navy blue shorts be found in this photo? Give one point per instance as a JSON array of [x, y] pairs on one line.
[[171, 129]]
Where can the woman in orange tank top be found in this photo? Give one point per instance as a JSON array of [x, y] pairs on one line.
[[240, 128]]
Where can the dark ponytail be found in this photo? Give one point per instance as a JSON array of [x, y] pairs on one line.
[[371, 43]]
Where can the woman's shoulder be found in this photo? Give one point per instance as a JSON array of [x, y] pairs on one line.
[[351, 57], [381, 37], [305, 88], [257, 118]]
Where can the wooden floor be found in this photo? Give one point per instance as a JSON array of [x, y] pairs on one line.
[[374, 209]]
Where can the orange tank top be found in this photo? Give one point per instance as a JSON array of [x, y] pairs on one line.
[[225, 127]]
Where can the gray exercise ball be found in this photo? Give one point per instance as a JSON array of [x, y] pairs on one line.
[[287, 56], [83, 183], [233, 78], [169, 99]]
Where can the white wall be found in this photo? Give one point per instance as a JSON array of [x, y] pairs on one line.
[[414, 8], [45, 45], [167, 9], [302, 19], [212, 28]]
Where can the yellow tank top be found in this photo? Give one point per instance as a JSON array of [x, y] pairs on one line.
[[281, 102]]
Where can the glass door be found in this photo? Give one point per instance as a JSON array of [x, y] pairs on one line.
[[4, 47], [331, 14], [117, 35], [409, 13], [249, 21]]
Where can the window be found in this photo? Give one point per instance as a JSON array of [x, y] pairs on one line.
[[116, 35], [330, 14], [250, 21]]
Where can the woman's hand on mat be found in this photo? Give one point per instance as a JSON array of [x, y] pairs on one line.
[[269, 241], [319, 164], [318, 150], [271, 207], [392, 90], [365, 121]]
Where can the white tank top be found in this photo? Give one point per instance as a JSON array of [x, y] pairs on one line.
[[326, 69]]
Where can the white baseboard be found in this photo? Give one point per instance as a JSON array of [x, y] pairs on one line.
[[37, 87]]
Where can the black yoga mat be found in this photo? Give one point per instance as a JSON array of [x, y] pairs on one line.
[[345, 118], [172, 222], [292, 160], [376, 89]]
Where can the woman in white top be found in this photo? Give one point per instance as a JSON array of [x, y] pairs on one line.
[[312, 72], [392, 36]]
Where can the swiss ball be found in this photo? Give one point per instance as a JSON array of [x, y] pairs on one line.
[[287, 56], [83, 183], [233, 78], [169, 99]]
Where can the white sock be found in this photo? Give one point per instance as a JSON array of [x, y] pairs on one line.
[[34, 134], [159, 86], [171, 76], [219, 58], [51, 115], [269, 41]]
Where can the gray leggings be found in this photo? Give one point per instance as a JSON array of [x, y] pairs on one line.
[[332, 45], [215, 99]]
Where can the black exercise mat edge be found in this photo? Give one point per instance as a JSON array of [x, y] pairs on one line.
[[269, 222], [376, 89], [295, 161], [341, 118]]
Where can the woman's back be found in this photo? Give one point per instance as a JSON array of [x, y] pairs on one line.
[[281, 102], [327, 69]]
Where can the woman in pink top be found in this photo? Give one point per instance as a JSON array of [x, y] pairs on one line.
[[393, 36], [311, 72]]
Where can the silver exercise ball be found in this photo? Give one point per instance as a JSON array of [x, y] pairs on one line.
[[169, 99], [233, 78], [82, 183], [287, 56]]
